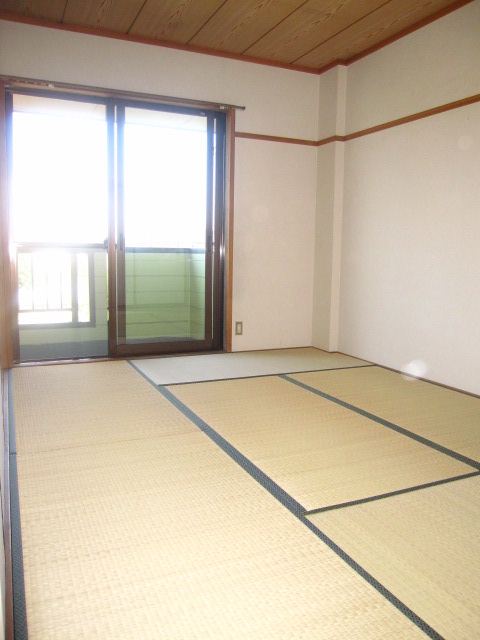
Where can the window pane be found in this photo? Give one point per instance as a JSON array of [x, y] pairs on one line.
[[83, 288], [165, 179], [60, 152], [59, 203]]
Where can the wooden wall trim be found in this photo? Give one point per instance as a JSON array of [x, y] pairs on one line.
[[6, 327], [266, 138], [324, 141], [229, 220], [457, 104]]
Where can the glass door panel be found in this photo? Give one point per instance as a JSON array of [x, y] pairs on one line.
[[117, 218], [165, 218], [58, 216]]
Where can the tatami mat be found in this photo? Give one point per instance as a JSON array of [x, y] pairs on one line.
[[136, 525], [64, 406], [177, 370], [321, 454], [167, 537], [447, 417], [423, 546]]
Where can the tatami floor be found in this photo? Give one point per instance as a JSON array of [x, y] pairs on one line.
[[290, 494]]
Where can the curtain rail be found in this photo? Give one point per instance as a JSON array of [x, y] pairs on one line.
[[17, 83]]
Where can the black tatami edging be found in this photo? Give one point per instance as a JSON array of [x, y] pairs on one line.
[[390, 425], [256, 473], [397, 603], [292, 505], [19, 602], [252, 377], [21, 631], [391, 494]]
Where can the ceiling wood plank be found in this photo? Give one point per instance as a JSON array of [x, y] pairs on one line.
[[45, 9], [174, 20], [103, 14], [384, 23], [238, 25], [312, 23], [303, 34]]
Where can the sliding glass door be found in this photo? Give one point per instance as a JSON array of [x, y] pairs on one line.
[[117, 215], [167, 169], [58, 220]]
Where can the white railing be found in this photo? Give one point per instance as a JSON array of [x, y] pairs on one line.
[[55, 285]]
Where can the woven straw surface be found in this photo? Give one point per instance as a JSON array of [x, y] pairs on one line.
[[423, 546], [163, 535], [447, 417], [319, 452], [62, 406], [221, 366]]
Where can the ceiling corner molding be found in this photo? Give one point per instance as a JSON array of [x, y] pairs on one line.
[[126, 37], [405, 32]]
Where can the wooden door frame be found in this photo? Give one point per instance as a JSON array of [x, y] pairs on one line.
[[8, 324], [228, 229]]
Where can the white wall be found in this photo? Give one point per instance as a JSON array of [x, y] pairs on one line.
[[328, 238], [400, 204], [411, 217], [278, 102], [411, 261], [273, 244], [430, 67], [273, 226], [329, 209], [332, 103]]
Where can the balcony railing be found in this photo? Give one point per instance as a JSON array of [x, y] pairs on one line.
[[56, 285], [65, 286]]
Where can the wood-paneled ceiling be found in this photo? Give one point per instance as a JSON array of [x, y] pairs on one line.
[[310, 34]]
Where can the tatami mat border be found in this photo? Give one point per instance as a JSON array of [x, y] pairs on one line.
[[261, 375], [293, 506], [21, 629], [18, 586], [261, 477], [390, 425], [411, 615], [12, 444], [390, 494]]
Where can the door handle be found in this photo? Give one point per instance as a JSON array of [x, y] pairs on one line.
[[105, 244]]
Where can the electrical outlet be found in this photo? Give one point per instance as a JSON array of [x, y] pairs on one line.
[[238, 328]]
